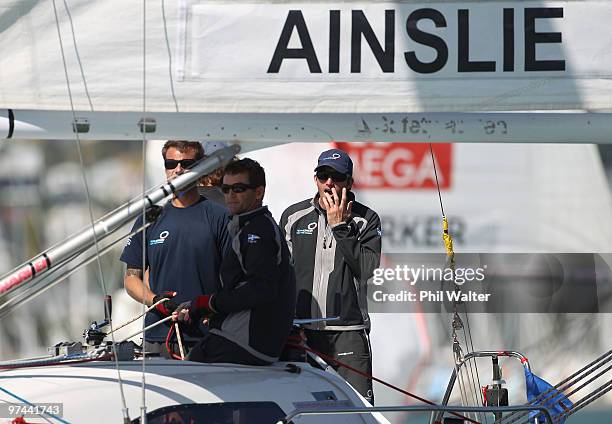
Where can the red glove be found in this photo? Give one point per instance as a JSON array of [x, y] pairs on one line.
[[166, 308], [201, 306]]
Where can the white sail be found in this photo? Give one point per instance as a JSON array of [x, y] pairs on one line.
[[362, 71], [351, 57]]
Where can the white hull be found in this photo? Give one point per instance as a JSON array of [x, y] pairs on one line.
[[89, 392]]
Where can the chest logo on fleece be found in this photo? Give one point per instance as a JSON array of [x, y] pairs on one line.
[[308, 230]]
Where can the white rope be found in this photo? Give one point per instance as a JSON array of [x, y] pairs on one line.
[[149, 309], [180, 340], [155, 324]]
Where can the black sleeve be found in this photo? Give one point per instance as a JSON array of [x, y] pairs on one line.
[[361, 250], [285, 235], [259, 251]]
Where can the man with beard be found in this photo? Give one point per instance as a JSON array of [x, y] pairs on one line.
[[335, 243]]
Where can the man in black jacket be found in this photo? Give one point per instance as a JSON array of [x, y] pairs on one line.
[[335, 243], [251, 316]]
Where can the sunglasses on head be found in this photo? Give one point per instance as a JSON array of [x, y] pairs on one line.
[[337, 177], [236, 188], [173, 163]]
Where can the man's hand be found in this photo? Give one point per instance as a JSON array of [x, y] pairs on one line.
[[165, 309], [338, 211], [194, 310]]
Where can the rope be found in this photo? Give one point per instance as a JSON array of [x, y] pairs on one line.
[[180, 340], [169, 340], [89, 205], [328, 358], [145, 329], [149, 309]]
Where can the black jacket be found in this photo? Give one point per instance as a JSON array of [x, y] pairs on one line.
[[332, 266], [257, 302]]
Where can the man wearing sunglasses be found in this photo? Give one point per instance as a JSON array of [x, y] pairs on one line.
[[251, 315], [335, 243], [184, 247]]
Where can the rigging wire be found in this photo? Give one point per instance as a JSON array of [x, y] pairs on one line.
[[143, 129], [457, 358], [456, 347], [89, 204], [589, 381], [163, 10], [475, 384], [78, 56], [587, 400], [473, 360], [433, 161]]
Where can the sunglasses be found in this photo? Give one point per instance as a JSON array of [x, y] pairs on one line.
[[173, 163], [236, 188], [337, 177]]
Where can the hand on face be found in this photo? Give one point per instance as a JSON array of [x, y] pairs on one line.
[[337, 208]]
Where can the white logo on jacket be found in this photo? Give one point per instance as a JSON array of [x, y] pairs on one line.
[[308, 230]]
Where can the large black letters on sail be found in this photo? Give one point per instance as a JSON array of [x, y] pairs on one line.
[[383, 46]]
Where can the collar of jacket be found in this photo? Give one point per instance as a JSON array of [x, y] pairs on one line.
[[315, 201], [243, 218]]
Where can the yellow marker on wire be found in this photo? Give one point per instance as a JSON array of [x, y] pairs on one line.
[[448, 243], [448, 239]]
